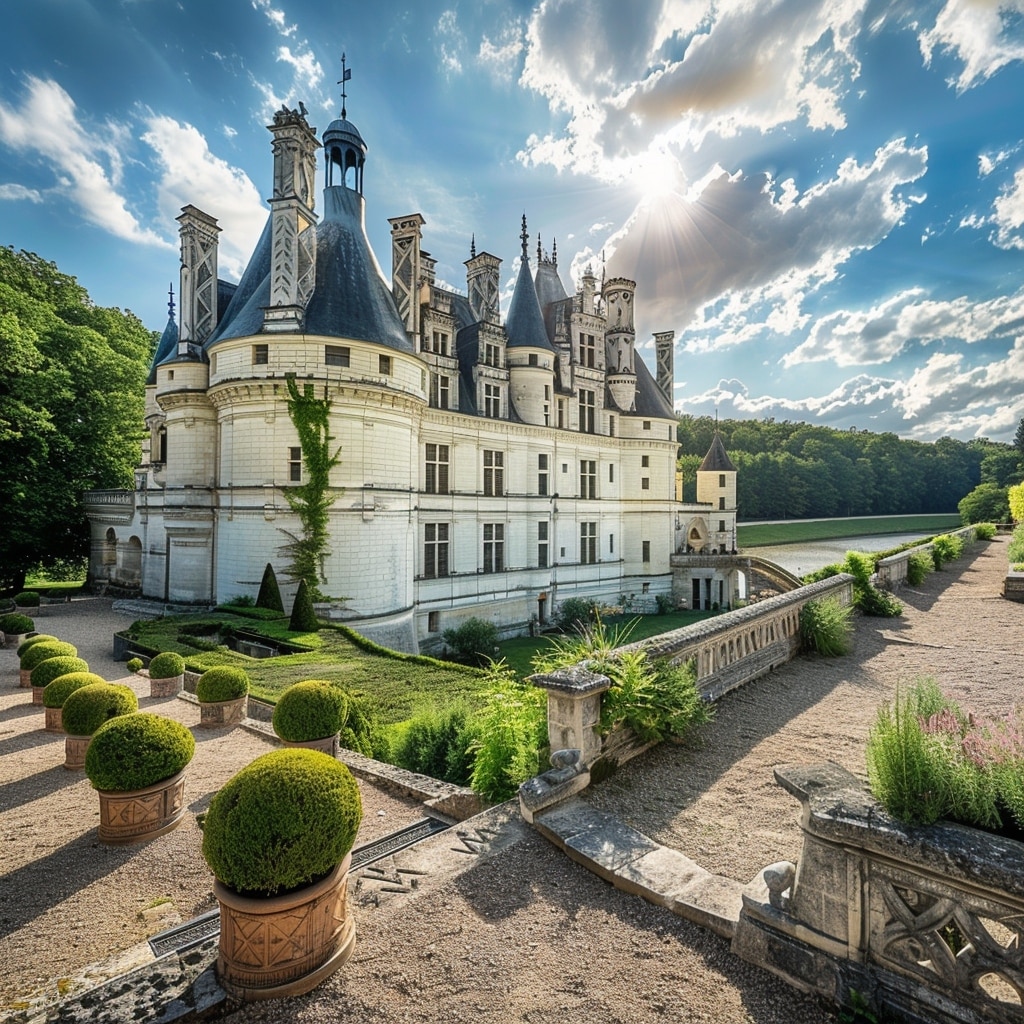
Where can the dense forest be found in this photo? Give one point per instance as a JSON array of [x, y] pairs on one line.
[[797, 471]]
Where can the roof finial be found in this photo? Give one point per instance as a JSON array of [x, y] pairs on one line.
[[525, 237], [170, 301], [539, 256], [554, 252], [472, 247], [346, 74]]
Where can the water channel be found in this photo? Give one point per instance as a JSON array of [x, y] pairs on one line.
[[807, 556]]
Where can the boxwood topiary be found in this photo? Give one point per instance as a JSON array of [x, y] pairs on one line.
[[284, 821], [46, 671], [310, 710], [14, 623], [48, 649], [26, 599], [137, 750], [58, 690], [39, 638], [223, 682], [166, 666], [87, 708]]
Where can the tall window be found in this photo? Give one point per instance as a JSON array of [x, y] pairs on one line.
[[645, 483], [492, 355], [437, 469], [646, 550], [440, 390], [492, 400], [588, 543], [542, 475], [295, 465], [494, 547], [587, 407], [588, 478], [645, 461], [588, 350], [384, 364], [542, 544], [337, 355], [440, 343], [561, 413], [721, 504], [494, 473], [435, 550], [721, 479], [260, 355]]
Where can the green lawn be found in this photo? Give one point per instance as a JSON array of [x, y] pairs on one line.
[[759, 535]]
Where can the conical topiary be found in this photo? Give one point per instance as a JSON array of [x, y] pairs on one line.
[[270, 594], [303, 618]]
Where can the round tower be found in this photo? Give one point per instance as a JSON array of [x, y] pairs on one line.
[[620, 337]]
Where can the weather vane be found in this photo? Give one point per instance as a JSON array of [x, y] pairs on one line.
[[346, 74], [170, 301], [525, 238]]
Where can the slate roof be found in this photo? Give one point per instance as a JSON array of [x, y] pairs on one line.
[[166, 349], [650, 400], [717, 459], [524, 324]]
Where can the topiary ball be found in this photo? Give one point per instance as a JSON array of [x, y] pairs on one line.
[[166, 666], [46, 671], [137, 750], [286, 820], [39, 638], [14, 624], [26, 599], [48, 649], [310, 710], [57, 691], [87, 708], [223, 682]]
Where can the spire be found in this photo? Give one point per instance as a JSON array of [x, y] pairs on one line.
[[472, 247], [540, 257], [170, 301], [525, 238], [346, 74], [554, 251]]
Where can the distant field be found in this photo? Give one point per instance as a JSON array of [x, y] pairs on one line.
[[761, 534]]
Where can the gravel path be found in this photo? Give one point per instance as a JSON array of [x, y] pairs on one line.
[[528, 935]]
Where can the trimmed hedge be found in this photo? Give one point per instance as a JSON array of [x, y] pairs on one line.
[[46, 671], [137, 750], [39, 638], [15, 623], [286, 820], [87, 708], [222, 682], [166, 666], [57, 691], [26, 599], [48, 649], [310, 710]]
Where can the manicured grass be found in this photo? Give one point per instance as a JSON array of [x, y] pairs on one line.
[[760, 535]]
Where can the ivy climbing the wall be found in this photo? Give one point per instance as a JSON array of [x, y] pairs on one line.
[[311, 500]]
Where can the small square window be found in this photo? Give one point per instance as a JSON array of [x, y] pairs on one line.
[[385, 365], [647, 424], [646, 588], [645, 483], [260, 355], [337, 355], [645, 461]]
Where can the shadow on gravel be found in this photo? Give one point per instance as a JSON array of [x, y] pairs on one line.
[[34, 787], [22, 710]]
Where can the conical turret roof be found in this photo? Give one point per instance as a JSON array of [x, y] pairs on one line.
[[717, 459]]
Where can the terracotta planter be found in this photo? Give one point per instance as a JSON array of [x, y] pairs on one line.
[[54, 718], [37, 694], [327, 745], [141, 814], [168, 686], [25, 677], [284, 945], [214, 714], [74, 752]]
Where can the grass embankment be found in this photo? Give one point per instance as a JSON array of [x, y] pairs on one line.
[[764, 534]]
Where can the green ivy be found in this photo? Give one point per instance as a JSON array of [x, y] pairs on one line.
[[311, 501]]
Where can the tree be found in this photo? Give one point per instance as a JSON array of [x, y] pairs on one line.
[[987, 503], [1018, 438], [72, 386]]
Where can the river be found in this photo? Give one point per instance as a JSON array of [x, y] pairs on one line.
[[807, 556]]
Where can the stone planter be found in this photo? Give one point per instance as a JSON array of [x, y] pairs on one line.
[[169, 686], [214, 714], [284, 945], [74, 752], [141, 814], [327, 745], [12, 641], [54, 717], [922, 922], [37, 694]]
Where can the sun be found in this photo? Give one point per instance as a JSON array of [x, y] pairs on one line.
[[655, 174]]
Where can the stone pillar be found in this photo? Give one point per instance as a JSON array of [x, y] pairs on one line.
[[198, 290], [574, 709]]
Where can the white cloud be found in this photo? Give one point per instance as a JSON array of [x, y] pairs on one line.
[[86, 161], [15, 193], [275, 16], [1008, 214], [499, 57], [190, 173], [308, 78], [451, 41], [978, 33]]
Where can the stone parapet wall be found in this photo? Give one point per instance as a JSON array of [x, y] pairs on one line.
[[892, 570]]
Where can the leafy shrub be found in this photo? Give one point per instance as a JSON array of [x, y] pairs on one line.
[[240, 601], [39, 638], [222, 682], [310, 710], [14, 623], [137, 750], [880, 603], [1015, 550], [46, 671], [282, 822], [166, 666], [824, 573], [134, 664], [826, 627], [946, 548], [48, 649], [270, 593], [473, 641], [1015, 496], [984, 531], [59, 689], [362, 731], [986, 503], [303, 618], [575, 613], [27, 599], [87, 708], [438, 742], [664, 604], [919, 565]]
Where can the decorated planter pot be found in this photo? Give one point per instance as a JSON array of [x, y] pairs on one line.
[[12, 641], [74, 752], [137, 815], [214, 714], [169, 686], [37, 694], [327, 744], [284, 945], [54, 716]]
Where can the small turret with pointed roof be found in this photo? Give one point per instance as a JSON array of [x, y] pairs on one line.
[[716, 479]]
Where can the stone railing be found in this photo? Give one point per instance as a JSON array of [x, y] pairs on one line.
[[892, 570], [925, 923]]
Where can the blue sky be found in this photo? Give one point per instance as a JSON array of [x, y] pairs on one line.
[[825, 201]]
